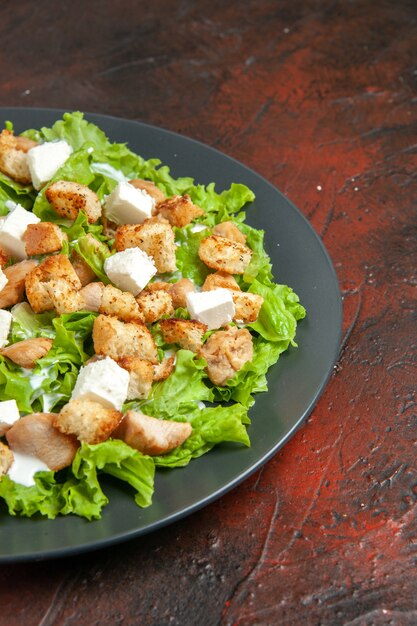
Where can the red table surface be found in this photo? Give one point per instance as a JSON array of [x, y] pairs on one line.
[[320, 98]]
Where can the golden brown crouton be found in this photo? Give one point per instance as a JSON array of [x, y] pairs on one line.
[[186, 333], [69, 198], [224, 254], [154, 305], [6, 459], [164, 368], [178, 292], [109, 227], [230, 231], [91, 296], [220, 280], [226, 352], [155, 237], [43, 238], [150, 435], [158, 285], [25, 353], [247, 306], [89, 421], [120, 304], [4, 258], [179, 210], [51, 269], [35, 435], [150, 188], [14, 291], [119, 339], [64, 297], [13, 160], [140, 377]]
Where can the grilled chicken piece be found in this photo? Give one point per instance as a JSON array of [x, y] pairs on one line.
[[25, 353], [14, 291], [220, 280], [224, 254], [226, 352], [43, 238], [6, 459], [91, 296], [150, 435], [13, 157], [89, 421], [230, 231], [150, 188], [186, 333], [164, 368], [82, 269], [178, 292], [35, 435], [69, 198], [179, 210]]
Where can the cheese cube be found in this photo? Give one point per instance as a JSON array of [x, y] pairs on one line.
[[102, 381], [13, 229], [9, 412], [3, 279], [130, 270], [128, 205], [214, 308], [5, 323], [45, 160], [24, 468]]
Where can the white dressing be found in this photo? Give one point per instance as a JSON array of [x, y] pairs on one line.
[[24, 468]]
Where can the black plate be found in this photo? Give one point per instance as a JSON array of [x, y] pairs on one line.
[[295, 383]]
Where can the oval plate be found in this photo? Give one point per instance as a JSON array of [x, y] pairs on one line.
[[295, 382]]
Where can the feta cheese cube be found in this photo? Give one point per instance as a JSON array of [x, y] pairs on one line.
[[9, 412], [214, 308], [45, 160], [13, 229], [5, 323], [24, 468], [3, 279], [102, 381], [128, 205], [130, 270]]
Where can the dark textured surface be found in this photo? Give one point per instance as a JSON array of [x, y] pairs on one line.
[[320, 98]]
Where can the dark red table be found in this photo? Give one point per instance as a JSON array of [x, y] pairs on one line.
[[320, 97]]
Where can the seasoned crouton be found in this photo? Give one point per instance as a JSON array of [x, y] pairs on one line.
[[150, 188], [151, 435], [6, 459], [178, 292], [154, 305], [35, 435], [220, 280], [89, 421], [69, 198], [224, 254], [91, 296], [226, 352], [164, 368], [179, 210], [52, 268], [4, 258], [14, 291], [186, 333], [120, 304], [43, 238], [109, 227], [119, 339], [247, 306], [154, 237], [13, 159], [158, 285], [229, 230], [25, 353], [140, 377], [64, 297]]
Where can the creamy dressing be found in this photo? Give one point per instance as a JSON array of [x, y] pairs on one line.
[[201, 405], [24, 468], [197, 228], [108, 170]]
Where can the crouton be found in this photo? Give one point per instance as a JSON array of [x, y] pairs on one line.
[[247, 306], [224, 254], [220, 280], [43, 238], [25, 353], [52, 268], [4, 258], [69, 198], [164, 368], [178, 292], [35, 435], [226, 352], [229, 230], [64, 297], [150, 188], [186, 333], [13, 160], [151, 435], [120, 304], [140, 377], [154, 237], [158, 285], [179, 210], [91, 296], [82, 269], [109, 227], [6, 459], [14, 291], [89, 421], [154, 305], [119, 339]]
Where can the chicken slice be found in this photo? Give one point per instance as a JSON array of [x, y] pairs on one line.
[[84, 272], [6, 459], [25, 353], [226, 352], [220, 280], [69, 198], [14, 290], [178, 292], [230, 231], [179, 210], [224, 254], [91, 296], [89, 421], [164, 368], [150, 435], [150, 188]]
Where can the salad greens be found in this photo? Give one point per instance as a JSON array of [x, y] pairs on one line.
[[97, 162]]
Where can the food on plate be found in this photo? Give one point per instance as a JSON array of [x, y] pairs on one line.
[[138, 318]]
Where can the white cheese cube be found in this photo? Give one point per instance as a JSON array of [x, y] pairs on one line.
[[9, 412], [214, 308], [13, 229], [24, 468], [130, 270], [128, 205], [5, 323], [102, 381], [45, 160], [3, 279]]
